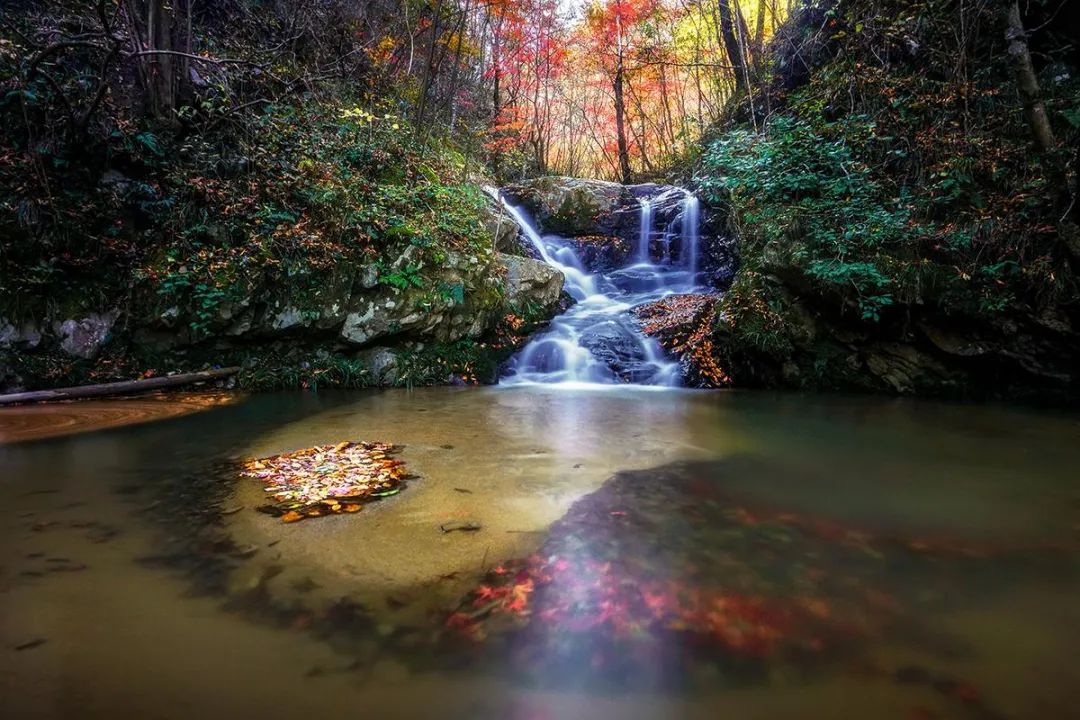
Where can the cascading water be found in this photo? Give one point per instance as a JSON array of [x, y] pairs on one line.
[[690, 212], [596, 341], [645, 231]]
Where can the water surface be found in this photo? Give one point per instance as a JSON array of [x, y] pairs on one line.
[[929, 553]]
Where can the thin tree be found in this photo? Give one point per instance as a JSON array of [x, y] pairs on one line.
[[1026, 81]]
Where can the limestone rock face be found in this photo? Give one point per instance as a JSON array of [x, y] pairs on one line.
[[411, 298], [532, 282]]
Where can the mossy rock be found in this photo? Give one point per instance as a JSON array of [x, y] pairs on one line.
[[571, 206]]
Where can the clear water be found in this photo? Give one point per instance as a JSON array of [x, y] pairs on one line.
[[936, 549], [596, 341]]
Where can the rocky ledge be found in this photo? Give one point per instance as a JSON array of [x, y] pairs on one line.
[[355, 311], [604, 220]]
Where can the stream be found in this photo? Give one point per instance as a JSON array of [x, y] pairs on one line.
[[670, 554]]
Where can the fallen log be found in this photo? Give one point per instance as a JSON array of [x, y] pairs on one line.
[[126, 387]]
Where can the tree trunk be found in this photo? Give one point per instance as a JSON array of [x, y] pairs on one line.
[[731, 43], [620, 105], [759, 33], [457, 64], [620, 124], [1026, 81], [162, 80], [126, 387]]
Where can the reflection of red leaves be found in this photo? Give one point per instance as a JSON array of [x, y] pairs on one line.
[[582, 596], [458, 620], [485, 592], [921, 713]]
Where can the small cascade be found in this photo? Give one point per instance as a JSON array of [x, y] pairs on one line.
[[690, 231], [645, 230], [596, 341], [579, 283]]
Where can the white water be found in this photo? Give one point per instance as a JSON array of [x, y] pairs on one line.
[[596, 341], [645, 231], [690, 221]]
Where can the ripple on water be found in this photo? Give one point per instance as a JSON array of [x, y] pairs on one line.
[[37, 422]]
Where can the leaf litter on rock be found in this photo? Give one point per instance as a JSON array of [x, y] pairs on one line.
[[327, 479]]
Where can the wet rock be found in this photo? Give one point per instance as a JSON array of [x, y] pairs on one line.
[[601, 253], [582, 208], [683, 325], [618, 347]]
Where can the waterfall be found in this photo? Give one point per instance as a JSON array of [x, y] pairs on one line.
[[690, 221], [645, 230], [596, 341]]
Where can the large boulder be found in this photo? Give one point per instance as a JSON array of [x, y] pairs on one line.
[[571, 206], [504, 231], [83, 337], [458, 299]]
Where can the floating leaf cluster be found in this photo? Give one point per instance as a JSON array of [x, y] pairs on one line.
[[327, 479]]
